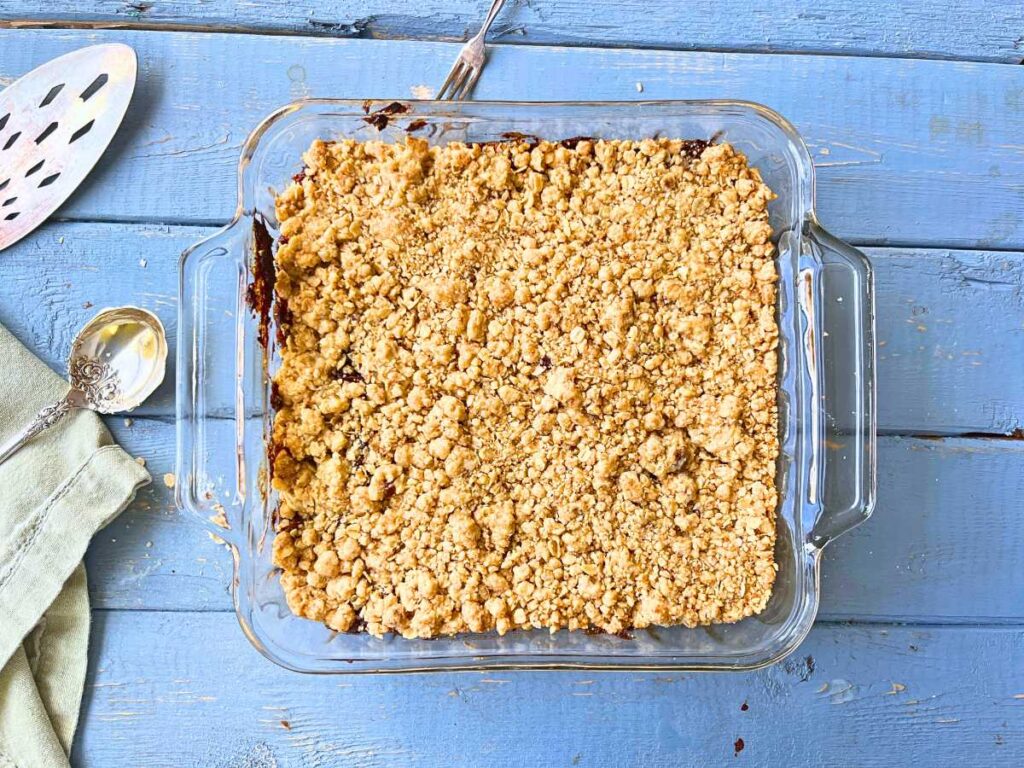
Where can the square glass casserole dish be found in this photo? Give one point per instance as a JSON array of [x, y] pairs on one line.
[[227, 352]]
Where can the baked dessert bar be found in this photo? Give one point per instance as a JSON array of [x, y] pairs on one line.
[[525, 384]]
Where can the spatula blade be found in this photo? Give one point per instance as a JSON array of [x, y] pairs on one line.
[[55, 122]]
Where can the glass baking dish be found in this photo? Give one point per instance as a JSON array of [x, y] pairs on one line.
[[826, 469]]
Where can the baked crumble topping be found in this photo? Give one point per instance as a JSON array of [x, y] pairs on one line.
[[525, 385]]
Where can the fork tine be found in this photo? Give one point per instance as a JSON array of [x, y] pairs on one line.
[[453, 92], [448, 80], [454, 79], [462, 90], [460, 81], [470, 82]]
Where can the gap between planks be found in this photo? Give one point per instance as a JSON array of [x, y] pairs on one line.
[[950, 323], [968, 623], [900, 157], [979, 30], [324, 31], [216, 224], [945, 695], [920, 558]]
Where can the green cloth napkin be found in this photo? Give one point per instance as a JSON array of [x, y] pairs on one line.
[[55, 493]]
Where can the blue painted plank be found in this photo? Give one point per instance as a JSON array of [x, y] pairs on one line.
[[945, 542], [945, 531], [908, 152], [950, 323], [984, 30], [154, 674], [153, 556], [58, 277], [950, 335], [177, 689]]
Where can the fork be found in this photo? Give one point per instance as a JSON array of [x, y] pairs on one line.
[[470, 62]]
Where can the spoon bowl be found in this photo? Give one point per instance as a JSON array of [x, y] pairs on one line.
[[118, 359]]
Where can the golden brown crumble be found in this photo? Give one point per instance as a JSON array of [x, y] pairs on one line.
[[526, 386]]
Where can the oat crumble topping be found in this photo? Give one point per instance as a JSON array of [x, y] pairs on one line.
[[525, 386]]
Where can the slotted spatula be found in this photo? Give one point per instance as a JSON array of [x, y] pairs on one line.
[[55, 122]]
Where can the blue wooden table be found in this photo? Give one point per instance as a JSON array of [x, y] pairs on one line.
[[915, 118]]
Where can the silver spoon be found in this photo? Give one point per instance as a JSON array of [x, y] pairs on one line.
[[117, 360]]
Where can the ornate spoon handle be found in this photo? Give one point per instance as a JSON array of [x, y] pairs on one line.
[[45, 419]]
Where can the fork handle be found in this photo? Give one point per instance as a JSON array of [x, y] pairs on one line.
[[491, 16]]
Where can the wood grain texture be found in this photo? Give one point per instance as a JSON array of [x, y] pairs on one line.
[[909, 153], [942, 536], [950, 336], [913, 153], [865, 696], [60, 276], [950, 323], [983, 30], [944, 543], [154, 556]]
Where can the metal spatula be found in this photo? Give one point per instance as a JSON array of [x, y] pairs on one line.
[[55, 123]]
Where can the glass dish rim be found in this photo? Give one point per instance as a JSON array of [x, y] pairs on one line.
[[808, 562]]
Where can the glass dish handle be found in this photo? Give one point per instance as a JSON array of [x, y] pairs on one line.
[[845, 476], [209, 466]]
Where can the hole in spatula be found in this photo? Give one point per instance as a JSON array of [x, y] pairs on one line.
[[46, 132], [94, 86], [4, 183], [3, 120], [52, 95], [9, 201], [49, 180], [10, 141], [34, 168], [11, 216], [81, 132]]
